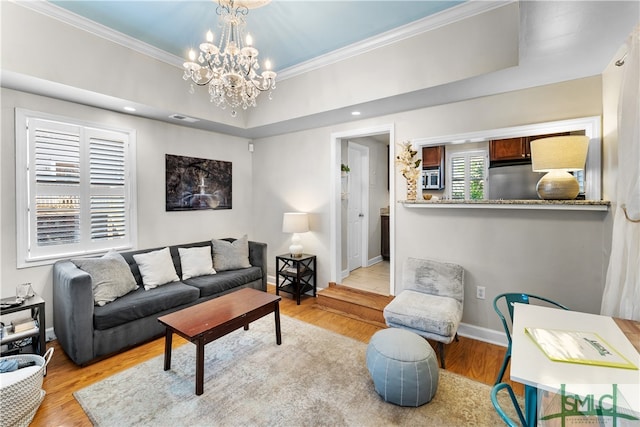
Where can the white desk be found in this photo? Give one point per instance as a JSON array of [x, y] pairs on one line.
[[531, 367]]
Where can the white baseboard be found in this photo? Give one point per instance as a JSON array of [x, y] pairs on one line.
[[49, 334], [374, 260], [482, 334]]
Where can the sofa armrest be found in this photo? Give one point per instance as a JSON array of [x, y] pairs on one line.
[[258, 258], [73, 311]]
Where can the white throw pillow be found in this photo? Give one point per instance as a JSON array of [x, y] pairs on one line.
[[196, 261], [156, 268]]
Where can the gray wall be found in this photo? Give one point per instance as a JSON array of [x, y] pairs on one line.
[[155, 226], [562, 254]]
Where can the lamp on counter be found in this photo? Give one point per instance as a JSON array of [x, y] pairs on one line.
[[558, 156], [295, 222]]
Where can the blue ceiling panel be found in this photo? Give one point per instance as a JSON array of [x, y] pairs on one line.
[[287, 32]]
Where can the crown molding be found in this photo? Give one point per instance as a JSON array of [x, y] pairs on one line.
[[82, 23], [448, 16], [457, 13]]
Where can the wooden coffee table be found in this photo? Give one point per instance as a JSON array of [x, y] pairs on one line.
[[210, 320]]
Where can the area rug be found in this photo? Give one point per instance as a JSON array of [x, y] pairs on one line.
[[315, 378]]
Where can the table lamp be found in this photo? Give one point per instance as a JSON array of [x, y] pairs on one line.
[[558, 156], [295, 222]]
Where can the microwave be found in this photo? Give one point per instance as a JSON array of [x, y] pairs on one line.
[[431, 179]]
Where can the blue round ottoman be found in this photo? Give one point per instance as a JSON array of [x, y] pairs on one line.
[[403, 366]]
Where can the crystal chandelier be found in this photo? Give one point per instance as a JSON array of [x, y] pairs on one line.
[[230, 69]]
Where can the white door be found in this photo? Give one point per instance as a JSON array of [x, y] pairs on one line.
[[357, 209]]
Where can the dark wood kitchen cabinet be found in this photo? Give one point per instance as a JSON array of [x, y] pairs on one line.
[[433, 157], [384, 243], [509, 149]]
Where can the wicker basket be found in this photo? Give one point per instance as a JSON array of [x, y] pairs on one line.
[[20, 401]]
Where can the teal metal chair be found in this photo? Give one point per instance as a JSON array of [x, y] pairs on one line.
[[509, 300], [494, 400]]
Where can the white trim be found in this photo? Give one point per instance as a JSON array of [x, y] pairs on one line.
[[429, 23], [482, 334], [590, 125], [92, 27], [335, 213], [374, 260]]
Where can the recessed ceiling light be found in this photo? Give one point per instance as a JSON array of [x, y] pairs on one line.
[[131, 109], [355, 113]]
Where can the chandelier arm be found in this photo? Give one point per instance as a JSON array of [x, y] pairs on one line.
[[258, 87]]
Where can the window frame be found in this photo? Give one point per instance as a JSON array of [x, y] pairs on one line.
[[27, 191]]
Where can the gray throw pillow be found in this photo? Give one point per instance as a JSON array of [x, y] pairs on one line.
[[231, 255], [110, 275]]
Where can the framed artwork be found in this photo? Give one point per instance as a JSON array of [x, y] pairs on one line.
[[197, 184]]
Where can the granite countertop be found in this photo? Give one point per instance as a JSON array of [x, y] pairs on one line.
[[514, 204]]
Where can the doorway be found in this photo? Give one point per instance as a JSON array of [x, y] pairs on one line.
[[352, 261]]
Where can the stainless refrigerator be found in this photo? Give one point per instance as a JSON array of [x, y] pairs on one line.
[[513, 182]]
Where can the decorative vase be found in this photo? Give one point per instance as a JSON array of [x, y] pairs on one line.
[[411, 188]]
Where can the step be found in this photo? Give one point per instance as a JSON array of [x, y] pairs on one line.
[[353, 303]]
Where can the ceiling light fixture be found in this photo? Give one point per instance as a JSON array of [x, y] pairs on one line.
[[355, 113], [130, 109], [230, 68]]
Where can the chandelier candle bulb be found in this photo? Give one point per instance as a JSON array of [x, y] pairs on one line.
[[249, 40], [209, 36]]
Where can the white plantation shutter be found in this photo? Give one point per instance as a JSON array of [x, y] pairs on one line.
[[74, 185], [468, 171], [107, 157], [458, 177]]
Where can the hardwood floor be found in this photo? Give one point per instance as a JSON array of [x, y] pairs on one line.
[[474, 359]]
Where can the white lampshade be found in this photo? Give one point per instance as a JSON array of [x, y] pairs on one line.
[[559, 152], [558, 156], [295, 222]]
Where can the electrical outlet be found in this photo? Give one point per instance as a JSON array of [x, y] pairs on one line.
[[480, 292]]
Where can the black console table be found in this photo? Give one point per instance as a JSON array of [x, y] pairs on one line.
[[296, 275], [35, 305]]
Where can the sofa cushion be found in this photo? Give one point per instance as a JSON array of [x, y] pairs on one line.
[[141, 303], [225, 280], [231, 255], [156, 268], [196, 261], [110, 276]]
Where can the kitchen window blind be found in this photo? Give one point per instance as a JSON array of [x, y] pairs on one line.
[[468, 175], [75, 188]]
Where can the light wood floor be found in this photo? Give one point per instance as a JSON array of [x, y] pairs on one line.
[[373, 279], [477, 360]]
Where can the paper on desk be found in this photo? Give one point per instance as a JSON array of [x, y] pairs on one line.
[[577, 347]]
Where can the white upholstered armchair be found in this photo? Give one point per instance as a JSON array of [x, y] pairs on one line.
[[431, 301]]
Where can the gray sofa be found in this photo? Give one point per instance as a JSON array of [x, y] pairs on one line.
[[86, 331]]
